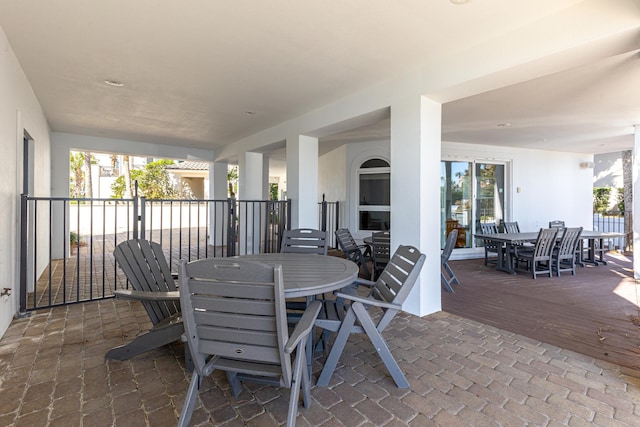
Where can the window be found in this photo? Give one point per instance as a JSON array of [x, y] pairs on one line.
[[374, 201]]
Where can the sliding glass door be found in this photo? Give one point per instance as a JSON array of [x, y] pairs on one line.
[[471, 192], [489, 193]]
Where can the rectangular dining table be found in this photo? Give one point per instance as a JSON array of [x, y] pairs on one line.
[[595, 245]]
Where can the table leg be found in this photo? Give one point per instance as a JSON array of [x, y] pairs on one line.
[[592, 252], [505, 261], [580, 254]]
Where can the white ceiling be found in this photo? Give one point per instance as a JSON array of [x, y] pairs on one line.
[[191, 70]]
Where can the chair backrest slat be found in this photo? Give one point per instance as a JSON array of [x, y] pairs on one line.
[[146, 268], [305, 241]]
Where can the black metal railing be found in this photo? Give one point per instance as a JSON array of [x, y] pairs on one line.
[[67, 244], [611, 222], [329, 219]]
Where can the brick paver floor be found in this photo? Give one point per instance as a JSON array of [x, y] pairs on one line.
[[462, 373]]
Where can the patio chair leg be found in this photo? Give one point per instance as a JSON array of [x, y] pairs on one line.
[[190, 401], [380, 345], [337, 348]]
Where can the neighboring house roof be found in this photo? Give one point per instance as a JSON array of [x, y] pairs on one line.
[[189, 166]]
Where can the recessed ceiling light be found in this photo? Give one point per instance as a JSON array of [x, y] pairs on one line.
[[459, 1], [503, 125], [114, 83]]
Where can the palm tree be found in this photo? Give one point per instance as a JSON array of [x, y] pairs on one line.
[[627, 162], [88, 176]]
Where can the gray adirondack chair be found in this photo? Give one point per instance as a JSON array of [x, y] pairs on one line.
[[146, 268], [380, 252], [236, 321], [353, 251], [444, 262], [538, 257], [305, 241], [349, 312], [564, 254]]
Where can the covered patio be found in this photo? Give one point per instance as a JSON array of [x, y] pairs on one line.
[[469, 368]]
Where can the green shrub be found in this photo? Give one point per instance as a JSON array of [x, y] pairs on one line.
[[601, 199]]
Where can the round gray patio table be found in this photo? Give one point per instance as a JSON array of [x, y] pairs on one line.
[[307, 275]]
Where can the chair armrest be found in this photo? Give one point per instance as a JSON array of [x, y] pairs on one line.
[[368, 301], [365, 282], [147, 296], [304, 326]]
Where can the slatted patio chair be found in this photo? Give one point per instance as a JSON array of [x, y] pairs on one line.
[[538, 257], [354, 252], [490, 247], [556, 224], [511, 227], [380, 252], [349, 313], [146, 268], [564, 254], [236, 321], [305, 241], [444, 262]]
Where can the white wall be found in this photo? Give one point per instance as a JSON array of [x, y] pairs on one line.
[[607, 171], [19, 111], [332, 180]]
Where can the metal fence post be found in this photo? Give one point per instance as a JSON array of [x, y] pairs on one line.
[[231, 226], [135, 211], [323, 215], [24, 221]]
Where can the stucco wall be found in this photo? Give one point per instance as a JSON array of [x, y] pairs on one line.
[[19, 111]]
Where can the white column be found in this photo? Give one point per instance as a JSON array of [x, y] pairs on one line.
[[636, 202], [250, 176], [265, 177], [218, 210], [302, 180], [415, 193], [250, 187]]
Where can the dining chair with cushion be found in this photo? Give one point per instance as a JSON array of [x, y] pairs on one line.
[[444, 262], [489, 246], [380, 252], [349, 313], [539, 257], [235, 321], [305, 241], [564, 254], [354, 252]]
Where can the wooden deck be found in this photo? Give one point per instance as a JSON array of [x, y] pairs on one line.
[[593, 313]]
